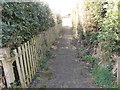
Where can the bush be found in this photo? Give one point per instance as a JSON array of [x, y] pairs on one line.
[[109, 32], [22, 21], [101, 24]]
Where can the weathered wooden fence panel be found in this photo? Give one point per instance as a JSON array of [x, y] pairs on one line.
[[29, 55]]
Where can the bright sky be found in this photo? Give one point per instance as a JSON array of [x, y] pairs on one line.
[[62, 6]]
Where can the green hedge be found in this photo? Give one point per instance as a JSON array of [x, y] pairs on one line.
[[22, 21]]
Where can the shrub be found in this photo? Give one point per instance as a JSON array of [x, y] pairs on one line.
[[100, 23], [109, 32], [22, 21]]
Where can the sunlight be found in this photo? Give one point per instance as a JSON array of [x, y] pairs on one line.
[[67, 22], [63, 7]]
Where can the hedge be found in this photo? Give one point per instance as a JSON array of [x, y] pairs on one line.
[[22, 21]]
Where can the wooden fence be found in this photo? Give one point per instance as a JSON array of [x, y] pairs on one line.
[[28, 56]]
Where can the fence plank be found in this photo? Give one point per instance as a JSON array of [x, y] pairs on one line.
[[19, 69], [40, 50], [28, 60], [25, 64], [30, 57], [37, 47], [21, 63], [36, 53], [42, 45], [33, 56], [7, 65]]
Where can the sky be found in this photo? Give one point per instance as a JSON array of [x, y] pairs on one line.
[[64, 7]]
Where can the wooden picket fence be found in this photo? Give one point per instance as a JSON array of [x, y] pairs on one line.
[[28, 56]]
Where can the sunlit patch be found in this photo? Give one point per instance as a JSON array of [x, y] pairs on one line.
[[67, 22], [63, 7]]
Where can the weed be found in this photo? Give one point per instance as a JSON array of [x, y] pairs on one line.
[[89, 58], [46, 57], [84, 52], [44, 61], [46, 68], [15, 84], [103, 77], [38, 79], [48, 54]]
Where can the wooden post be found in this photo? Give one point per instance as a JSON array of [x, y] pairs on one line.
[[7, 66], [118, 70], [118, 73]]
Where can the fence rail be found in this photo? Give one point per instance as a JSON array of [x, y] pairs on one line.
[[28, 56]]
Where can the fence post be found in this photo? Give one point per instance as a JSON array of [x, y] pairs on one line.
[[7, 66], [118, 71]]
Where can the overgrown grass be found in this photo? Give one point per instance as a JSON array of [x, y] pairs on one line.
[[38, 79], [89, 58], [46, 57], [103, 77], [85, 52]]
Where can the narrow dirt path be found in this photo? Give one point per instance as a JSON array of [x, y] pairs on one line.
[[64, 69]]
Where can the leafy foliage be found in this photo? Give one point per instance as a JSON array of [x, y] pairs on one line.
[[101, 24], [109, 32], [85, 52], [100, 27], [22, 21], [47, 56], [15, 84], [38, 79]]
